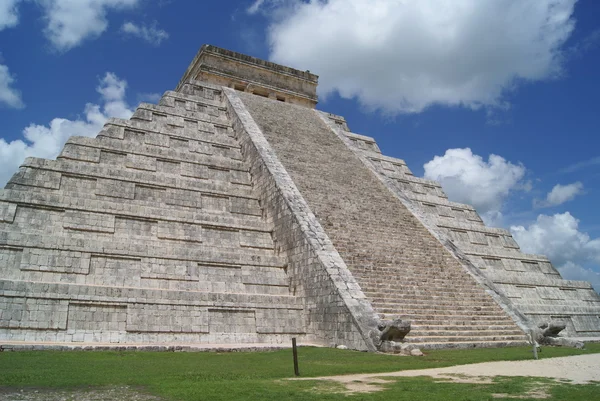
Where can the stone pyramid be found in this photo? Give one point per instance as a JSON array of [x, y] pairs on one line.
[[233, 212]]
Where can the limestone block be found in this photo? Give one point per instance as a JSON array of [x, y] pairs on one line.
[[547, 268], [140, 162], [586, 323], [551, 293], [7, 212], [256, 239], [166, 318], [284, 321], [240, 177], [183, 197], [218, 174], [495, 263], [10, 260], [114, 270], [179, 231], [477, 238], [156, 139], [221, 236], [194, 170], [135, 227], [113, 158], [142, 114], [87, 221], [33, 313], [228, 276], [215, 203], [78, 152], [232, 321], [223, 130], [35, 177], [170, 269], [168, 167], [264, 276], [96, 317], [514, 265], [150, 194], [54, 260], [112, 130], [201, 147], [245, 206], [115, 189], [179, 143]]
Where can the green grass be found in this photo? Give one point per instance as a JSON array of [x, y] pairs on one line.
[[256, 376]]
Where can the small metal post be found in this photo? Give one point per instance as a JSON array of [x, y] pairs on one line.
[[295, 351]]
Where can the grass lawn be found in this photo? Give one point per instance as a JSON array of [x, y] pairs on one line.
[[257, 376]]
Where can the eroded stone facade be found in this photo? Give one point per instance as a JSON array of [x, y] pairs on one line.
[[246, 217]]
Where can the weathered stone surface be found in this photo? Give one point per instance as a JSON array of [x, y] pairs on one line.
[[244, 216], [394, 330]]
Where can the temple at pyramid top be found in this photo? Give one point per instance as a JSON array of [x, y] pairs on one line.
[[249, 74]]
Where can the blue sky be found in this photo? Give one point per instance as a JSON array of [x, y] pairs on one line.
[[497, 100]]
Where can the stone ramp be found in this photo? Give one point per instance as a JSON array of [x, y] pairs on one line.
[[401, 268], [150, 233], [529, 282]]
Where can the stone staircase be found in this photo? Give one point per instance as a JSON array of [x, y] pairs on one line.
[[401, 268], [150, 233], [529, 282]]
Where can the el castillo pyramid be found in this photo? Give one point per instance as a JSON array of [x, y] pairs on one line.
[[234, 212]]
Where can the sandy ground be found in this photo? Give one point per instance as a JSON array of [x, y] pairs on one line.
[[121, 393], [578, 369]]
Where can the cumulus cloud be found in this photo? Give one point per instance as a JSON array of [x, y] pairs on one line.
[[468, 178], [559, 238], [560, 194], [9, 14], [402, 56], [70, 22], [47, 141], [9, 96], [150, 34]]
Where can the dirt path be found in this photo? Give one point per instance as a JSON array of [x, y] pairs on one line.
[[577, 369]]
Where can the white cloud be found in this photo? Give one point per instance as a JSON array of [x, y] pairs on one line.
[[402, 56], [559, 238], [9, 14], [150, 34], [560, 194], [70, 22], [47, 141], [9, 96], [255, 7], [468, 178]]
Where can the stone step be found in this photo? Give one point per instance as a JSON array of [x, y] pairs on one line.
[[177, 117], [464, 332], [437, 312], [84, 148], [189, 101], [475, 307], [459, 338], [399, 293], [472, 327], [218, 134], [51, 171], [129, 248], [451, 320], [248, 217], [470, 344]]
